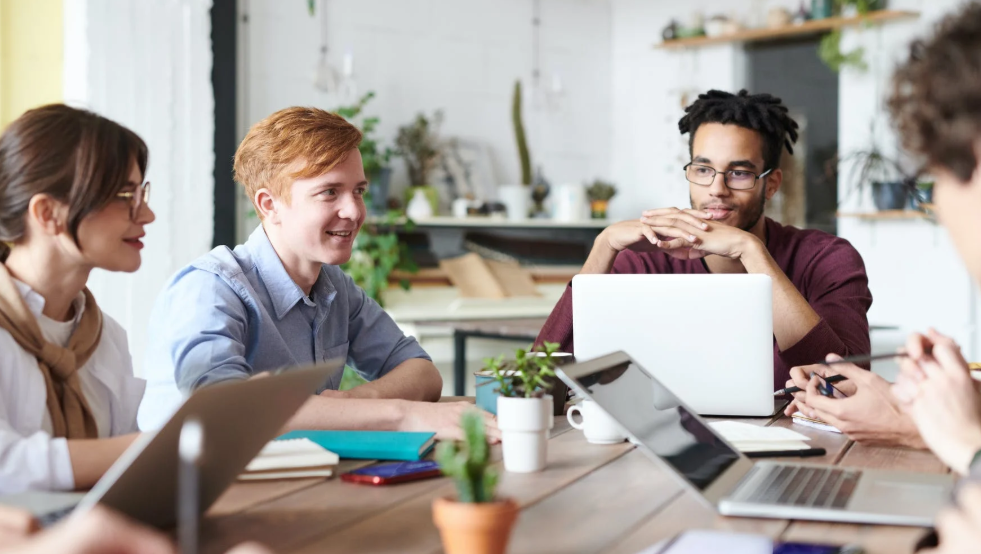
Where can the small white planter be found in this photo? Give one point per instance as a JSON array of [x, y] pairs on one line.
[[524, 425], [516, 199]]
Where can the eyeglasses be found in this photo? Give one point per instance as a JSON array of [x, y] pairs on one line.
[[735, 179], [137, 199]]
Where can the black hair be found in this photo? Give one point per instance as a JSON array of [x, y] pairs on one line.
[[763, 113]]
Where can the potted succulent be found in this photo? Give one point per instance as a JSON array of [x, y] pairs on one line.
[[375, 158], [418, 144], [599, 194], [524, 407], [515, 197], [476, 522]]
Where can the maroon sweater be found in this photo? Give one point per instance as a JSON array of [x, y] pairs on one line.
[[826, 270]]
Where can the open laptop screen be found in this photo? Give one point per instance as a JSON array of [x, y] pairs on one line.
[[648, 411]]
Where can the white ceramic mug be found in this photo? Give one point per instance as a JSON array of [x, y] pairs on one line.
[[598, 427]]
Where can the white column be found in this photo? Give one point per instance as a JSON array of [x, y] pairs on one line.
[[147, 65]]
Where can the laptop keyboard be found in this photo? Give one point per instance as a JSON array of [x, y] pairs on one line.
[[804, 486]]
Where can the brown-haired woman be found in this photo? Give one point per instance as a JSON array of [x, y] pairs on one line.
[[72, 199]]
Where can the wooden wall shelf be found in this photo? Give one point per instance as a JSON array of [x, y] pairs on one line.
[[812, 27]]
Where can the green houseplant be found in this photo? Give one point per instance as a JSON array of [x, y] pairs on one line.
[[374, 157], [524, 407], [376, 253], [476, 522], [418, 144], [599, 194], [829, 49], [891, 185]]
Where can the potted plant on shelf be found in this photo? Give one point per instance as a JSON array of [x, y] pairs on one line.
[[599, 194], [476, 522], [891, 184], [375, 158], [829, 49], [524, 407], [515, 197], [418, 144]]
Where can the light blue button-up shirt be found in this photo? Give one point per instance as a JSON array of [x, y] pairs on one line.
[[234, 313]]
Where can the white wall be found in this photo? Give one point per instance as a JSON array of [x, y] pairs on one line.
[[461, 56], [147, 65]]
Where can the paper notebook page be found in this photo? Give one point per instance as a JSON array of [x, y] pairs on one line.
[[770, 446], [815, 423], [291, 454], [735, 431]]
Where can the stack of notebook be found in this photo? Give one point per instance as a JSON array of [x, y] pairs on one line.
[[291, 459]]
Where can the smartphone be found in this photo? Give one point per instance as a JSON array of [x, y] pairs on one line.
[[389, 474], [827, 389]]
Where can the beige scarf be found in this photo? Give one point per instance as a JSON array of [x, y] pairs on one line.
[[70, 414]]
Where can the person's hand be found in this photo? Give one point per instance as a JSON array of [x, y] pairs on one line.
[[871, 415], [16, 525], [936, 389], [97, 531], [443, 418], [103, 531], [673, 231], [690, 241], [800, 376], [959, 527]]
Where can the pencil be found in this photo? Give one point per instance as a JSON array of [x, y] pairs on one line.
[[799, 453]]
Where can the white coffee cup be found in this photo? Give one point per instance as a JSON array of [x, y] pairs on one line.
[[598, 427]]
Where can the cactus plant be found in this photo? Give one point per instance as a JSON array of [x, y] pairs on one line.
[[519, 135], [467, 462]]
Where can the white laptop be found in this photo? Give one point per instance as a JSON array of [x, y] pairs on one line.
[[709, 338], [676, 438], [237, 418]]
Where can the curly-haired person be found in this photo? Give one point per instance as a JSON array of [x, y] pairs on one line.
[[820, 289]]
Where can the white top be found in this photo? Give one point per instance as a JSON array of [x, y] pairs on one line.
[[30, 459]]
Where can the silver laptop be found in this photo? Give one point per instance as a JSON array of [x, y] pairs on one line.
[[237, 418], [675, 437], [708, 338]]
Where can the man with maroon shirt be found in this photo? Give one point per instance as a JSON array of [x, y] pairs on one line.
[[820, 290]]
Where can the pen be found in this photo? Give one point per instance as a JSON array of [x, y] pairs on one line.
[[848, 360], [799, 453], [792, 390]]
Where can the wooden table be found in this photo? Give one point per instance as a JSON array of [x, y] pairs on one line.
[[590, 498]]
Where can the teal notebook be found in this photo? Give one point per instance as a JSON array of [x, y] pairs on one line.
[[370, 445]]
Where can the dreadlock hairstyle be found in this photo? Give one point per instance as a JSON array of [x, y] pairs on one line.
[[763, 113]]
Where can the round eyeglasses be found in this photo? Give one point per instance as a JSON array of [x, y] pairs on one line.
[[735, 179], [137, 198]]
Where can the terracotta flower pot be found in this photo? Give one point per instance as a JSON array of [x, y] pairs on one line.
[[597, 208], [474, 528]]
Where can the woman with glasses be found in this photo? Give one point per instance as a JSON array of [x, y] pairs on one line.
[[72, 199]]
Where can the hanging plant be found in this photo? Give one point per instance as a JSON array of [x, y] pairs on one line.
[[830, 53]]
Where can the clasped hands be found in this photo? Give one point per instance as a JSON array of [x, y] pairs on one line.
[[684, 234]]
